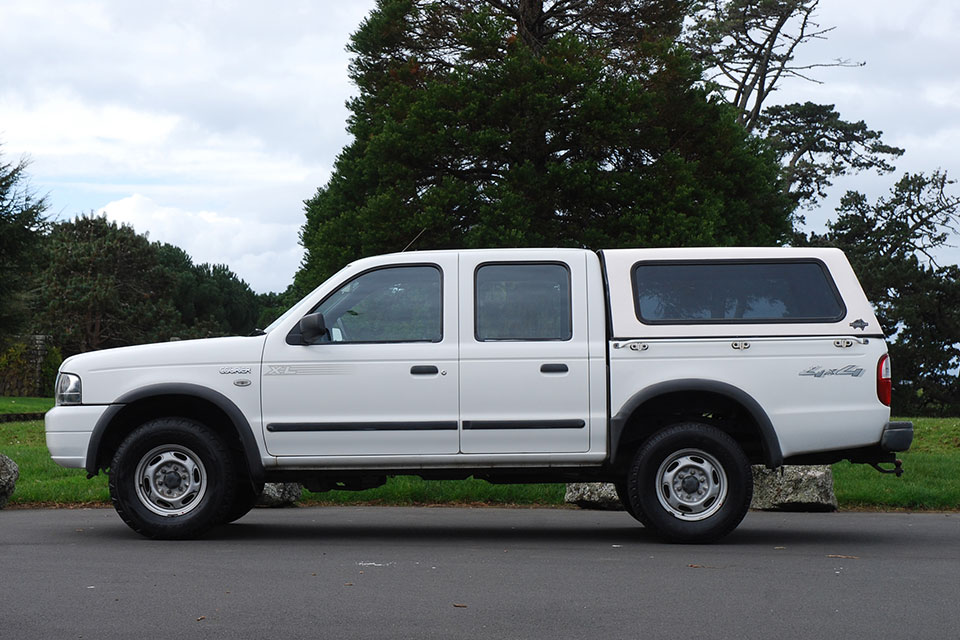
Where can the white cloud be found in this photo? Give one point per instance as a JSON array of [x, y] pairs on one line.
[[61, 125], [907, 89], [945, 94], [72, 137], [207, 124], [264, 254], [937, 148], [267, 71], [178, 116]]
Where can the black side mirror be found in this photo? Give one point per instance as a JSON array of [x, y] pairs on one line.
[[312, 328]]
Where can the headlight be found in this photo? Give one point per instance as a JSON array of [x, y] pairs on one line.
[[68, 389]]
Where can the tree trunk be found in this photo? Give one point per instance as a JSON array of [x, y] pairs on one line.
[[530, 24]]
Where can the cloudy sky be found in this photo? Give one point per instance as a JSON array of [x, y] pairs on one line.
[[206, 124]]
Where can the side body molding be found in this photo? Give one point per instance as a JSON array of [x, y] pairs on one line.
[[236, 417], [773, 455]]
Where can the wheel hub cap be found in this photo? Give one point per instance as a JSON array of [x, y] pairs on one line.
[[693, 484], [690, 484], [171, 480]]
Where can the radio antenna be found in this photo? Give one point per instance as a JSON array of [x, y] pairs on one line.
[[414, 240]]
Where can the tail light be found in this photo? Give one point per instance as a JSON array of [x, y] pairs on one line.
[[884, 380]]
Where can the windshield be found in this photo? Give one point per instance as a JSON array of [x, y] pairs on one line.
[[294, 308], [286, 314]]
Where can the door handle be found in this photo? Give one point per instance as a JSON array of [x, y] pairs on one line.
[[553, 368], [424, 370]]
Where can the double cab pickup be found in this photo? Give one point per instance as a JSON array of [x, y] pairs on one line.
[[667, 372]]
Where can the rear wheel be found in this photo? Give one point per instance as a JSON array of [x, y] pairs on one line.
[[628, 506], [692, 482], [173, 478]]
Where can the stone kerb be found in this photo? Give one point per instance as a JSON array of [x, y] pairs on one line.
[[793, 488], [9, 474], [280, 494]]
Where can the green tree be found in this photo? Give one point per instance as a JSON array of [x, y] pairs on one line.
[[749, 47], [570, 123], [815, 146], [103, 286], [211, 299], [272, 305], [21, 224], [893, 246], [225, 300]]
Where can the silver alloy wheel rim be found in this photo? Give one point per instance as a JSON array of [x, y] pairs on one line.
[[171, 480], [691, 485]]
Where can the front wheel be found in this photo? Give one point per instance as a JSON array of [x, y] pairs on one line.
[[692, 482], [244, 499], [172, 478]]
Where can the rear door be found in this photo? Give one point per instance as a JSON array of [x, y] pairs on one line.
[[524, 374]]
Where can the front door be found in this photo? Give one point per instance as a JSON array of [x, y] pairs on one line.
[[383, 381]]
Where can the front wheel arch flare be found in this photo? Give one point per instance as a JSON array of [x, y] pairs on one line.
[[112, 417]]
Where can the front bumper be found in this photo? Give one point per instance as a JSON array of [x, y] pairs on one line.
[[68, 431]]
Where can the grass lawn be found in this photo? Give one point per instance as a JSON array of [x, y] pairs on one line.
[[411, 490], [931, 479], [25, 405], [42, 481]]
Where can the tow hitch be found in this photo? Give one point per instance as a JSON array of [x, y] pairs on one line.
[[897, 467]]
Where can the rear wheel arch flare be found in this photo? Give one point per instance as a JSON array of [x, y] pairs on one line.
[[635, 406]]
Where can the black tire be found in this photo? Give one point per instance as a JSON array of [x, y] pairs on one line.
[[244, 499], [173, 478], [624, 495], [692, 482]]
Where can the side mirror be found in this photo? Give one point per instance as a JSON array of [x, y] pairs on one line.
[[312, 328]]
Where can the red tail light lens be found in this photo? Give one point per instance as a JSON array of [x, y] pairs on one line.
[[884, 380]]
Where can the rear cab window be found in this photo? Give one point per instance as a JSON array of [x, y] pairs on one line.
[[690, 292]]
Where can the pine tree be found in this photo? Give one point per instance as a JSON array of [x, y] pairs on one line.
[[524, 123]]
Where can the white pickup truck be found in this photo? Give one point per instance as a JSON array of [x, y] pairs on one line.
[[667, 372]]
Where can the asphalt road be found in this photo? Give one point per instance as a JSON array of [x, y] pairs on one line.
[[379, 572]]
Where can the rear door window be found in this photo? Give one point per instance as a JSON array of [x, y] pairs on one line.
[[523, 301]]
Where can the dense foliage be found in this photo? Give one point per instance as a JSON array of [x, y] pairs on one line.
[[21, 220], [606, 123], [29, 369], [893, 245], [104, 285], [536, 123]]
